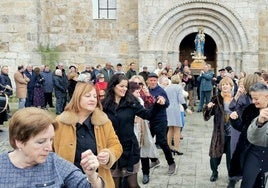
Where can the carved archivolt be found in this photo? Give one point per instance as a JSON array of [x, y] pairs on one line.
[[222, 23]]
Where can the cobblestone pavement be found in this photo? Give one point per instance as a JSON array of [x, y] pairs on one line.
[[193, 169]]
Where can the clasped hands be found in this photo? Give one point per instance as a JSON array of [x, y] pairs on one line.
[[90, 162], [161, 100]]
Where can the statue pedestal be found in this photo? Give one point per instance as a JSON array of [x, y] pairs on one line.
[[197, 65]]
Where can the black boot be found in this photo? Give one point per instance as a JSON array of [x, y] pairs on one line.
[[231, 184]]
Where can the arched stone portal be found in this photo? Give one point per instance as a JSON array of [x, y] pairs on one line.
[[220, 22]]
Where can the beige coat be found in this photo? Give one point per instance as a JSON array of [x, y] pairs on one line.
[[65, 140], [21, 82]]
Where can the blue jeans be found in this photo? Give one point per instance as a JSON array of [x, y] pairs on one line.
[[22, 103], [204, 99]]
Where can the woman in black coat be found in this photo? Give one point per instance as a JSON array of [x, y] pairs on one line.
[[122, 107], [247, 159]]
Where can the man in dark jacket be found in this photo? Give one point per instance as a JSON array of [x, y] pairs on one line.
[[30, 86], [131, 72], [107, 71], [60, 89], [144, 73], [48, 86], [158, 127]]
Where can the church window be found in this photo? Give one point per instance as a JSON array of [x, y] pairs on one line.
[[104, 9]]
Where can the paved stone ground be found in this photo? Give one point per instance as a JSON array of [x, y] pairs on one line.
[[193, 169]]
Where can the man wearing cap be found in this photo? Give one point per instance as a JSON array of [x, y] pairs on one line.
[[158, 123], [144, 73], [222, 72], [228, 69]]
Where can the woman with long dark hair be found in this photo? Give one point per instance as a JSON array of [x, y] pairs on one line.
[[122, 107]]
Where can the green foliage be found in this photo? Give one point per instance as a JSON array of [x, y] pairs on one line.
[[50, 55]]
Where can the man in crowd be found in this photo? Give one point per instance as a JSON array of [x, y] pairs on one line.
[[30, 86], [144, 73], [107, 71], [21, 81], [131, 72], [205, 87], [119, 69], [48, 86], [158, 127]]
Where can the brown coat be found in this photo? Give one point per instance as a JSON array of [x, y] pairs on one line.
[[21, 82], [106, 139], [218, 138]]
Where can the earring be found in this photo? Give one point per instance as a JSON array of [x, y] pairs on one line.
[[19, 149]]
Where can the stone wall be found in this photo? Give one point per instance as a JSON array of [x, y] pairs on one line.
[[146, 31], [68, 26], [263, 39]]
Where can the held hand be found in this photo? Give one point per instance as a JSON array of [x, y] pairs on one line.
[[234, 115], [161, 100], [189, 111], [89, 162], [103, 158], [263, 117], [8, 87], [210, 104]]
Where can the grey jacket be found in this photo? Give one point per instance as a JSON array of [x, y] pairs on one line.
[[258, 136]]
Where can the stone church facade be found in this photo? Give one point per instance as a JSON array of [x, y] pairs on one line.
[[144, 31]]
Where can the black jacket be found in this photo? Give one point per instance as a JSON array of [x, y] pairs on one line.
[[122, 117]]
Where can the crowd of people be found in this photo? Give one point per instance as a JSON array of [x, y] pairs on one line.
[[109, 123]]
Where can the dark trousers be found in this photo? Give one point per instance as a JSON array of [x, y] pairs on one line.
[[255, 165], [145, 166], [60, 104], [215, 162], [48, 99], [159, 130], [29, 99], [204, 99]]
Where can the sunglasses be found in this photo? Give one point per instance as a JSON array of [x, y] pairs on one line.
[[139, 83]]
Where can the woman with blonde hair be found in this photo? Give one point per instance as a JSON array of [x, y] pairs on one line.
[[175, 120], [221, 134], [82, 126]]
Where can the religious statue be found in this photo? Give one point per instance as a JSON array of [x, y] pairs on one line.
[[198, 54], [199, 42]]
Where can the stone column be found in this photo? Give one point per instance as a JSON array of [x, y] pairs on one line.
[[220, 62]]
